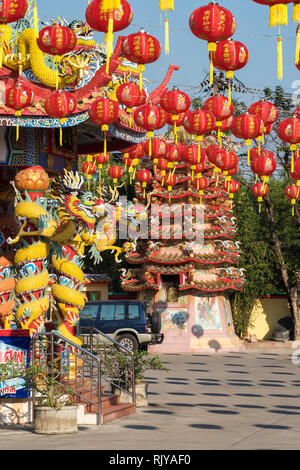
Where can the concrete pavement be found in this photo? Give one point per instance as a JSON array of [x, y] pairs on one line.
[[233, 401]]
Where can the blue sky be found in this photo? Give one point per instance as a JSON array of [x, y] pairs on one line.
[[190, 53]]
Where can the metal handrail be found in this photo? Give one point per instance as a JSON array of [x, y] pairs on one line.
[[117, 350], [59, 343]]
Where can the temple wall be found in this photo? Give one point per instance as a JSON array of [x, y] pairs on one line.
[[266, 314], [196, 323]]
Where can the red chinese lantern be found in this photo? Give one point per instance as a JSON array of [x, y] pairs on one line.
[[145, 178], [230, 56], [175, 102], [260, 190], [170, 181], [212, 23], [221, 108], [226, 160], [295, 174], [141, 48], [59, 105], [108, 17], [98, 19], [101, 159], [247, 127], [18, 98], [199, 122], [12, 10], [162, 166], [264, 165], [57, 40], [179, 120], [173, 156], [193, 155], [150, 118], [267, 112], [115, 172], [130, 95], [137, 151], [293, 193], [211, 152], [104, 112], [256, 152], [201, 183], [156, 148], [89, 169], [232, 187], [288, 130]]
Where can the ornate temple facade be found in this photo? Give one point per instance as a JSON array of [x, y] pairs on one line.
[[188, 266]]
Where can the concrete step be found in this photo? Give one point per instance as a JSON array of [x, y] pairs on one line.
[[118, 411]]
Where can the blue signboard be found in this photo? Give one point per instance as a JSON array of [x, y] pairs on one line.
[[14, 349]]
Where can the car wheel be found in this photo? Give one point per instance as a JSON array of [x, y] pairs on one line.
[[129, 342]]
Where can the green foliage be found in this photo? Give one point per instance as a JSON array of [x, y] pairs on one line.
[[49, 390], [263, 274], [145, 361], [115, 365]]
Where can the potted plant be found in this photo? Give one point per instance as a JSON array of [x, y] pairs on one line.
[[53, 408], [142, 361]]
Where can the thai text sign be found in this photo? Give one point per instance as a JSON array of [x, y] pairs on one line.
[[15, 350]]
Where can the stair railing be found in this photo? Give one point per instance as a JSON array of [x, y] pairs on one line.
[[79, 369], [117, 362]]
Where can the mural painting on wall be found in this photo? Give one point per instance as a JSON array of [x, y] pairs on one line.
[[207, 314], [173, 319]]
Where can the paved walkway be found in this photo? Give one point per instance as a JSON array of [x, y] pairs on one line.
[[233, 401]]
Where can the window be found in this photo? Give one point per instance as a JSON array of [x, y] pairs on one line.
[[133, 312], [107, 312], [111, 312], [89, 312], [120, 312]]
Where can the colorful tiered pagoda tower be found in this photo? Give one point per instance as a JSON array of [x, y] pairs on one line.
[[188, 279]]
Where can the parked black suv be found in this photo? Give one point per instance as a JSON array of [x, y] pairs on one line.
[[123, 320]]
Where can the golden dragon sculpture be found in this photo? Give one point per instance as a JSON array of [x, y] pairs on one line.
[[58, 219], [27, 55]]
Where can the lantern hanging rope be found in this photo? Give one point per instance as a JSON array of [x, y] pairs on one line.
[[165, 5]]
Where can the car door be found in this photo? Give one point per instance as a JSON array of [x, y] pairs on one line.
[[88, 316], [106, 318], [134, 319]]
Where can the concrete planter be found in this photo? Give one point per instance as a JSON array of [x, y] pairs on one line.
[[55, 420], [141, 392]]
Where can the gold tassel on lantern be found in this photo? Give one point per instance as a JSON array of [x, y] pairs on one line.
[[109, 5], [35, 20], [280, 60], [297, 55], [229, 76], [166, 5], [278, 15], [104, 129], [109, 38], [141, 68], [211, 47], [296, 13]]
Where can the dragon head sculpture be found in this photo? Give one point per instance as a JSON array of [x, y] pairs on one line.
[[75, 203]]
